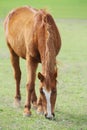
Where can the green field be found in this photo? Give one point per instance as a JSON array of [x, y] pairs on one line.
[[59, 8], [71, 105]]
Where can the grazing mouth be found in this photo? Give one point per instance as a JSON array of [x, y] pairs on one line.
[[50, 117]]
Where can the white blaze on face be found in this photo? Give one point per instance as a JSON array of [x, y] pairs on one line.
[[48, 95]]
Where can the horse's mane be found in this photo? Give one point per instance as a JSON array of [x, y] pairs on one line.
[[47, 22], [50, 53]]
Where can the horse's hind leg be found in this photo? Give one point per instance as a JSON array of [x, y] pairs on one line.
[[17, 75]]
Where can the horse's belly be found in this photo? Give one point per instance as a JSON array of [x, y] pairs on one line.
[[18, 46], [20, 50]]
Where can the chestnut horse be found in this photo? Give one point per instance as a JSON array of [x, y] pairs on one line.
[[33, 35]]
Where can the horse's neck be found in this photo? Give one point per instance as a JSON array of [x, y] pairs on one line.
[[49, 62], [48, 54]]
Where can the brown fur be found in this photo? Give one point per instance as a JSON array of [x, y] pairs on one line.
[[33, 35]]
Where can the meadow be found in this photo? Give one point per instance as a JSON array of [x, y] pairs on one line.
[[71, 104], [59, 8]]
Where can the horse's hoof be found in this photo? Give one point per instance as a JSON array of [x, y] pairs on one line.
[[40, 110], [27, 113], [34, 105], [17, 103]]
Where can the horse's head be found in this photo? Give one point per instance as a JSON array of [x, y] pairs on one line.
[[48, 93]]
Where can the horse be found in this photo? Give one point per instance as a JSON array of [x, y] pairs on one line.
[[32, 34]]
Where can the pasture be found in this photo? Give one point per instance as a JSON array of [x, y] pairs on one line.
[[71, 104]]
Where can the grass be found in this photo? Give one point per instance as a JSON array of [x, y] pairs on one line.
[[71, 105]]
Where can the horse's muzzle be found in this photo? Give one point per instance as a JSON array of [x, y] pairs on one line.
[[50, 117]]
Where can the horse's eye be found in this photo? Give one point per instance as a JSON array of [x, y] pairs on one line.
[[54, 91]]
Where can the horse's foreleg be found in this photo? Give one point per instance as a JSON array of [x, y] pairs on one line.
[[34, 99], [30, 87], [40, 106], [17, 76]]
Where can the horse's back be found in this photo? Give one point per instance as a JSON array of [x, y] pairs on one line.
[[18, 17]]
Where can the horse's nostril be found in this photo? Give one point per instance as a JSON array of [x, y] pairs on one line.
[[53, 114], [46, 115]]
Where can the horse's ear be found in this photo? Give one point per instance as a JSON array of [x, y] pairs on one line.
[[40, 77]]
